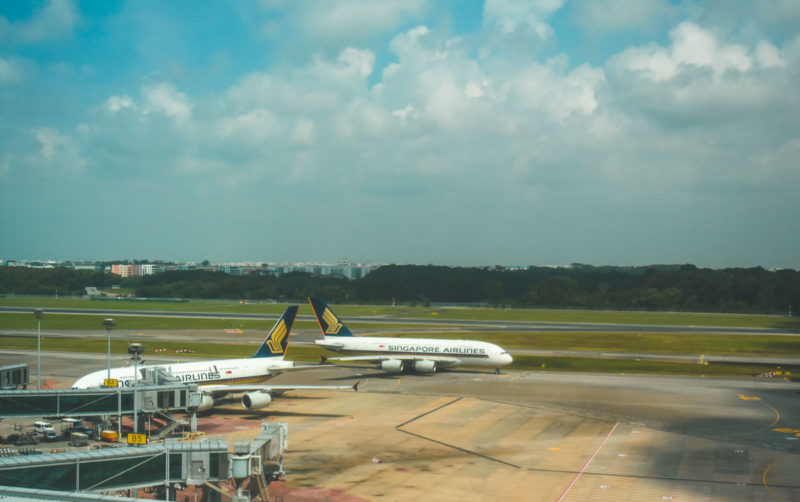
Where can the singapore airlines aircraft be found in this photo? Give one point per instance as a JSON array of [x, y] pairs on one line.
[[425, 355], [221, 377]]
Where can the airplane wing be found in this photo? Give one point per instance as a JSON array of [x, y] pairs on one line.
[[442, 360], [278, 371], [273, 388], [321, 343]]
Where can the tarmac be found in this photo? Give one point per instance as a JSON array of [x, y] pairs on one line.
[[533, 436]]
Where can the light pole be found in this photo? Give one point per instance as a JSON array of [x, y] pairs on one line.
[[109, 323], [135, 349], [38, 313]]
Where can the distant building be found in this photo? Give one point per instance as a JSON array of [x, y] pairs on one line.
[[123, 270], [149, 269]]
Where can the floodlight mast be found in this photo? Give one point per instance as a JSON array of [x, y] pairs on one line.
[[135, 349], [109, 323], [38, 313]]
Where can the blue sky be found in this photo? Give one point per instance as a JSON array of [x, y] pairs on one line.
[[402, 131]]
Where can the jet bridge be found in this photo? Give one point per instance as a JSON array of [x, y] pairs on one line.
[[173, 462], [93, 402]]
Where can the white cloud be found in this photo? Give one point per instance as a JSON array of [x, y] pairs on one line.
[[512, 15], [58, 150], [165, 99], [348, 17], [692, 46], [253, 127], [117, 103], [303, 131], [9, 71], [344, 21], [768, 56], [56, 20], [608, 15]]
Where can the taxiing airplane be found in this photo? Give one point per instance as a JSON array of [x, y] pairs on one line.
[[221, 377], [425, 355]]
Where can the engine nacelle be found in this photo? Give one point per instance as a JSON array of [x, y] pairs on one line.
[[392, 365], [206, 403], [256, 400], [425, 366]]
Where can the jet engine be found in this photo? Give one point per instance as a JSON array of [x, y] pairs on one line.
[[256, 400], [425, 366], [206, 403], [392, 365]]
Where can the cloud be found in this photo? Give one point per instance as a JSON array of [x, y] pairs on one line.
[[442, 135], [702, 79], [9, 71], [613, 15], [692, 46], [510, 15], [163, 98], [56, 20], [59, 151], [343, 22], [117, 103]]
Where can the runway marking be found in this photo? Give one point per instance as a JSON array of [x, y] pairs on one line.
[[764, 480], [428, 412], [586, 464], [749, 398]]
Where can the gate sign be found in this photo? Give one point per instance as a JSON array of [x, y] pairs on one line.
[[137, 439], [110, 382]]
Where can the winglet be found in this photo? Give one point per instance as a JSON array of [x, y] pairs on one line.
[[329, 323], [277, 340]]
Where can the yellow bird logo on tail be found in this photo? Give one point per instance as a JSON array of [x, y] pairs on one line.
[[334, 326]]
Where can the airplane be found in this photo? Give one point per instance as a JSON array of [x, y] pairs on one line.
[[218, 378], [424, 355]]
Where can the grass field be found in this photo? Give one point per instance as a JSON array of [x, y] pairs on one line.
[[588, 365], [666, 343], [190, 350], [51, 321], [352, 311]]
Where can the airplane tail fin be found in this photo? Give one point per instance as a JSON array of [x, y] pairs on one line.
[[277, 340], [329, 323]]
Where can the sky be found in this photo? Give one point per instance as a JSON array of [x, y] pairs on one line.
[[455, 132]]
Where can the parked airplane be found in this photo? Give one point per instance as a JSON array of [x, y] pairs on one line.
[[221, 377], [425, 355]]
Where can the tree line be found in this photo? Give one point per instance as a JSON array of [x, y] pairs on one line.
[[658, 287]]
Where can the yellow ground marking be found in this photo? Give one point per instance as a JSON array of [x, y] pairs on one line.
[[749, 398], [788, 430], [764, 480]]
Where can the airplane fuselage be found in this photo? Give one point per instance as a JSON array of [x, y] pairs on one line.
[[222, 371], [471, 352]]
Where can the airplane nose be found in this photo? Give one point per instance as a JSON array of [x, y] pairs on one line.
[[507, 359]]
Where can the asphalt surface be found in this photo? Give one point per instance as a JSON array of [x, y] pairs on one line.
[[307, 336], [482, 325], [522, 435]]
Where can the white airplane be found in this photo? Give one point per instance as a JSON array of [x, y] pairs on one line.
[[425, 355], [221, 377]]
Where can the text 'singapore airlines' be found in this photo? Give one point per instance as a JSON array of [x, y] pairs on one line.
[[425, 355]]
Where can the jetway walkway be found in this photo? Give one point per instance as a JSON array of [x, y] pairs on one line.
[[118, 468], [175, 462], [94, 402]]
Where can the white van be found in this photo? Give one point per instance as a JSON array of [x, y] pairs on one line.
[[42, 427]]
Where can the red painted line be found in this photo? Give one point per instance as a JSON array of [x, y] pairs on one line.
[[586, 464]]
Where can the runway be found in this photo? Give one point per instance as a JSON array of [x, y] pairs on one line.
[[307, 336], [533, 436], [458, 324]]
